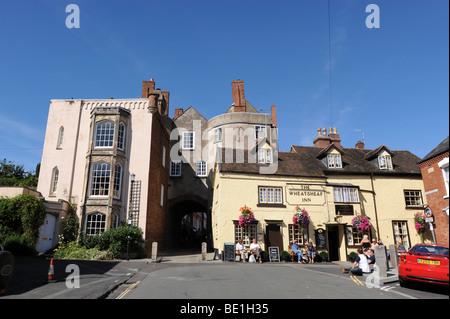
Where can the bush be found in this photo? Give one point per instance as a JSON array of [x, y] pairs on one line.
[[284, 255], [19, 245], [352, 256], [73, 250], [324, 255]]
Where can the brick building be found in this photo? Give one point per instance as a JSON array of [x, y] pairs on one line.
[[434, 169]]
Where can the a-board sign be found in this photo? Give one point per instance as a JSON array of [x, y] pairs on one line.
[[228, 251], [274, 254], [321, 239]]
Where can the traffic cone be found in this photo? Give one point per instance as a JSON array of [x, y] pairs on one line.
[[51, 272]]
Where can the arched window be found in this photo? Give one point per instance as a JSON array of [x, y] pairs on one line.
[[95, 224], [104, 134], [121, 138], [101, 173], [55, 178], [60, 137], [117, 181]]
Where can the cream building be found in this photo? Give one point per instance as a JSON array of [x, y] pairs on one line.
[[334, 184], [107, 157]]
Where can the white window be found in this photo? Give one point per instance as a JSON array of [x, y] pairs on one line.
[[334, 161], [401, 233], [95, 224], [270, 195], [100, 177], [60, 137], [54, 181], [162, 195], [346, 195], [444, 167], [260, 131], [218, 135], [114, 221], [175, 168], [104, 134], [117, 181], [413, 197], [384, 162], [265, 155], [188, 140], [121, 138], [200, 169]]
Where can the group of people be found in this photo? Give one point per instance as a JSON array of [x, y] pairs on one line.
[[363, 263], [305, 254], [254, 250]]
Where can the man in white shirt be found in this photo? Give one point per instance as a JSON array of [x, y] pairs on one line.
[[360, 265], [255, 249]]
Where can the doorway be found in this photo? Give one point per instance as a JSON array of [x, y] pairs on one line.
[[333, 242], [273, 236], [46, 231]]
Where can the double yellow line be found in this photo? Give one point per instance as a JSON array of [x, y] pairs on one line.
[[127, 290], [356, 280]]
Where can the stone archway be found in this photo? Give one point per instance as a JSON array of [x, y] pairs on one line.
[[189, 224]]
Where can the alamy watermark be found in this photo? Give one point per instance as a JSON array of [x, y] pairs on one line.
[[73, 19]]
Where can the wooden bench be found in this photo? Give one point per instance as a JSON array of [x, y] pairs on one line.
[[291, 253]]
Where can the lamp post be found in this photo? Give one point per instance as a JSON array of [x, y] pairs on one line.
[[129, 215]]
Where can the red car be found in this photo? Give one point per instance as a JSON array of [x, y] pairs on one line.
[[424, 263]]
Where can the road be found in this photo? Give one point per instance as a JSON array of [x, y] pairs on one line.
[[238, 281]]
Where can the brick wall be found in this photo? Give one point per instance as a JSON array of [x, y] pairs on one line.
[[436, 196]]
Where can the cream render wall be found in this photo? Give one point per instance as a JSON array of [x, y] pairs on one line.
[[71, 157]]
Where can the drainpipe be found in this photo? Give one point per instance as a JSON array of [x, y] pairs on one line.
[[375, 206]]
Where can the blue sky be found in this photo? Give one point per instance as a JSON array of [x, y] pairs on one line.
[[391, 82]]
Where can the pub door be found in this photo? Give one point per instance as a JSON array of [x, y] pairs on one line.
[[273, 236], [333, 242]]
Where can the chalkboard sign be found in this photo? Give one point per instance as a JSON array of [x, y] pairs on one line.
[[228, 251], [321, 239], [274, 254]]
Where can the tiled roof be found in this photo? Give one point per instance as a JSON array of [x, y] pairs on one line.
[[303, 161], [438, 150]]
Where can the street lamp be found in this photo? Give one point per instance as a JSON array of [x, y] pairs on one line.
[[129, 215]]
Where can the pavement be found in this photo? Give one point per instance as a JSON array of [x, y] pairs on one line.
[[99, 278]]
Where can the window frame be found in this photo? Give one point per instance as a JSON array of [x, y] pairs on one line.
[[121, 136], [218, 135], [60, 140], [203, 168], [347, 194], [257, 129], [55, 179], [175, 167], [100, 224], [186, 140], [107, 137], [301, 234], [385, 162], [270, 196], [117, 185], [246, 233], [334, 160], [402, 234], [410, 198], [104, 183]]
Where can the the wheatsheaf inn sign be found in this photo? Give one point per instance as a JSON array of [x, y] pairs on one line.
[[305, 194]]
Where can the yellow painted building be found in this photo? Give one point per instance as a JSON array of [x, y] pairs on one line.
[[334, 185]]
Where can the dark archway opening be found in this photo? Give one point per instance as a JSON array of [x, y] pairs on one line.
[[189, 225]]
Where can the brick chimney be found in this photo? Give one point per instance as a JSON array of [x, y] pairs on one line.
[[335, 138], [322, 140], [147, 87], [237, 87], [274, 116], [359, 145], [178, 112]]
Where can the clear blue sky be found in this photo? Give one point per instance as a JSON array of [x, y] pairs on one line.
[[391, 82]]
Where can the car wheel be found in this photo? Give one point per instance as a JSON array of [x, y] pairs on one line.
[[403, 282]]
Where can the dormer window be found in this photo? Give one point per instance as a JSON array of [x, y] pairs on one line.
[[385, 162], [265, 153], [334, 161]]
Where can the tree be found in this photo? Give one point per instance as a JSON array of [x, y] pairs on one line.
[[15, 175]]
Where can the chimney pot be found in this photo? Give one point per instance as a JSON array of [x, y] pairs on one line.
[[238, 92]]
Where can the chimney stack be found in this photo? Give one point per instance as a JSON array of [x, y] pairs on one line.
[[323, 140], [359, 145], [274, 116], [147, 88], [178, 112], [237, 87]]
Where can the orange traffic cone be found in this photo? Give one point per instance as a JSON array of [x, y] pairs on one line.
[[51, 272]]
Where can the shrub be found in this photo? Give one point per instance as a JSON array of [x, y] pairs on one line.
[[73, 250], [19, 245], [352, 256]]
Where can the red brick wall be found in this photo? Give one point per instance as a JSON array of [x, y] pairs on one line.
[[156, 214], [435, 187]]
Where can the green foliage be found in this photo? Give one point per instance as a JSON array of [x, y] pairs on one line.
[[19, 245], [15, 175], [70, 226], [23, 214], [72, 250]]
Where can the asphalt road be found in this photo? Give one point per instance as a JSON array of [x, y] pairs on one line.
[[236, 281]]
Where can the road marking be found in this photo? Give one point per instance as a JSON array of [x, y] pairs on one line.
[[356, 280], [128, 290]]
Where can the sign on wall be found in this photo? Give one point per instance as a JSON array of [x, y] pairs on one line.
[[304, 194]]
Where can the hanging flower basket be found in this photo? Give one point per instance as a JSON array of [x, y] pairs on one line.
[[246, 217], [420, 223], [361, 223], [301, 217]]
